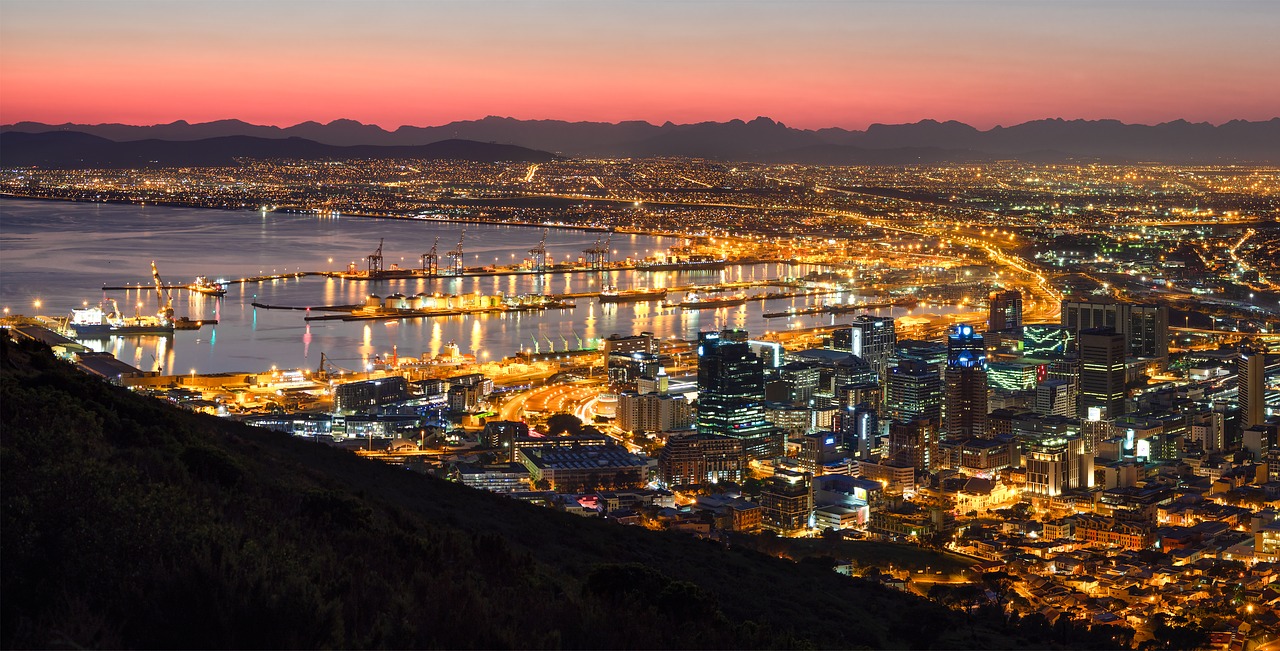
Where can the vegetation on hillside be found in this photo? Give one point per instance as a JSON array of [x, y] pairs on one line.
[[128, 523]]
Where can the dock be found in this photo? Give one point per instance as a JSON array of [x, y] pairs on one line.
[[397, 314], [418, 274], [840, 309]]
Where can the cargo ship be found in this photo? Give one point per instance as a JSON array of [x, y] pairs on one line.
[[694, 302], [96, 323], [691, 263], [611, 294], [203, 285]]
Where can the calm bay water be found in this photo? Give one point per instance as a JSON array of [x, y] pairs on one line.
[[61, 254]]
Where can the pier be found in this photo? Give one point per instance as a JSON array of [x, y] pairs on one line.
[[473, 272], [840, 309]]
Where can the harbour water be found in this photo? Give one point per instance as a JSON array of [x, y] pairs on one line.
[[61, 254]]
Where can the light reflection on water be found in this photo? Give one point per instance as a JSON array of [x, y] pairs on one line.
[[62, 253]]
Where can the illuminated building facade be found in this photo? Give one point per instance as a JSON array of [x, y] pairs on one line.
[[1057, 465], [1102, 366], [700, 459], [967, 395], [1005, 311], [731, 392], [787, 501]]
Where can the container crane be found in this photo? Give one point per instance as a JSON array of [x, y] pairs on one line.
[[539, 254], [598, 254], [431, 260], [374, 261], [456, 256]]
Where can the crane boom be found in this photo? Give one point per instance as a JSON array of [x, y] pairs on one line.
[[165, 306]]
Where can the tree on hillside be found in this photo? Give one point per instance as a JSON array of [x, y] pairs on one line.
[[559, 424]]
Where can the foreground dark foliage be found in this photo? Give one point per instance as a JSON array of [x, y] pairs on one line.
[[127, 523]]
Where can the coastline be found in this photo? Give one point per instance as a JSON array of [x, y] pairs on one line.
[[462, 220]]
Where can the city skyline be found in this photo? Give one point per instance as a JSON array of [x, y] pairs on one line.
[[807, 64]]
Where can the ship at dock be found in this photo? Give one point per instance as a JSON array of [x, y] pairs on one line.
[[693, 301], [611, 294], [98, 323], [691, 263], [204, 285]]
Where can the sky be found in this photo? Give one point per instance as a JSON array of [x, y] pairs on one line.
[[809, 64]]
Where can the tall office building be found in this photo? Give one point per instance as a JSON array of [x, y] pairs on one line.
[[1145, 327], [930, 352], [857, 427], [1102, 387], [1005, 311], [796, 384], [1251, 385], [915, 442], [731, 392], [870, 337], [967, 395], [1056, 398], [1058, 464], [915, 391]]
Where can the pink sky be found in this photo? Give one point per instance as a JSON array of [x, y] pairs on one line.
[[809, 64]]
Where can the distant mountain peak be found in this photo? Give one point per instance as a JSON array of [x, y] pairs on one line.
[[765, 139]]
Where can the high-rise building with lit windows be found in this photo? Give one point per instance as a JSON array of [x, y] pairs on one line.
[[967, 395], [1005, 311], [1251, 385], [1102, 386], [731, 392]]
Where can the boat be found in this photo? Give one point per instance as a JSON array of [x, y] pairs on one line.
[[203, 285], [611, 294], [186, 323], [97, 323], [694, 302], [691, 263]]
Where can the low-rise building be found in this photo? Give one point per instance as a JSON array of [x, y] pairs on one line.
[[587, 468], [1111, 531], [699, 459]]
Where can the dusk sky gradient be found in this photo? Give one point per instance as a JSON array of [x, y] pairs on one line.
[[809, 64]]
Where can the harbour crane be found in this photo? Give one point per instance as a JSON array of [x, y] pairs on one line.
[[374, 261], [598, 254], [431, 259], [539, 254], [165, 306], [456, 256]]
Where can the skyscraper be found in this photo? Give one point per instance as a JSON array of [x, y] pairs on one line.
[[1102, 354], [870, 337], [915, 391], [1251, 383], [1006, 311], [965, 410], [857, 427], [731, 392], [1145, 327], [915, 442]]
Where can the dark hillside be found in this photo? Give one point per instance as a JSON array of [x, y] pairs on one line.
[[127, 523]]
